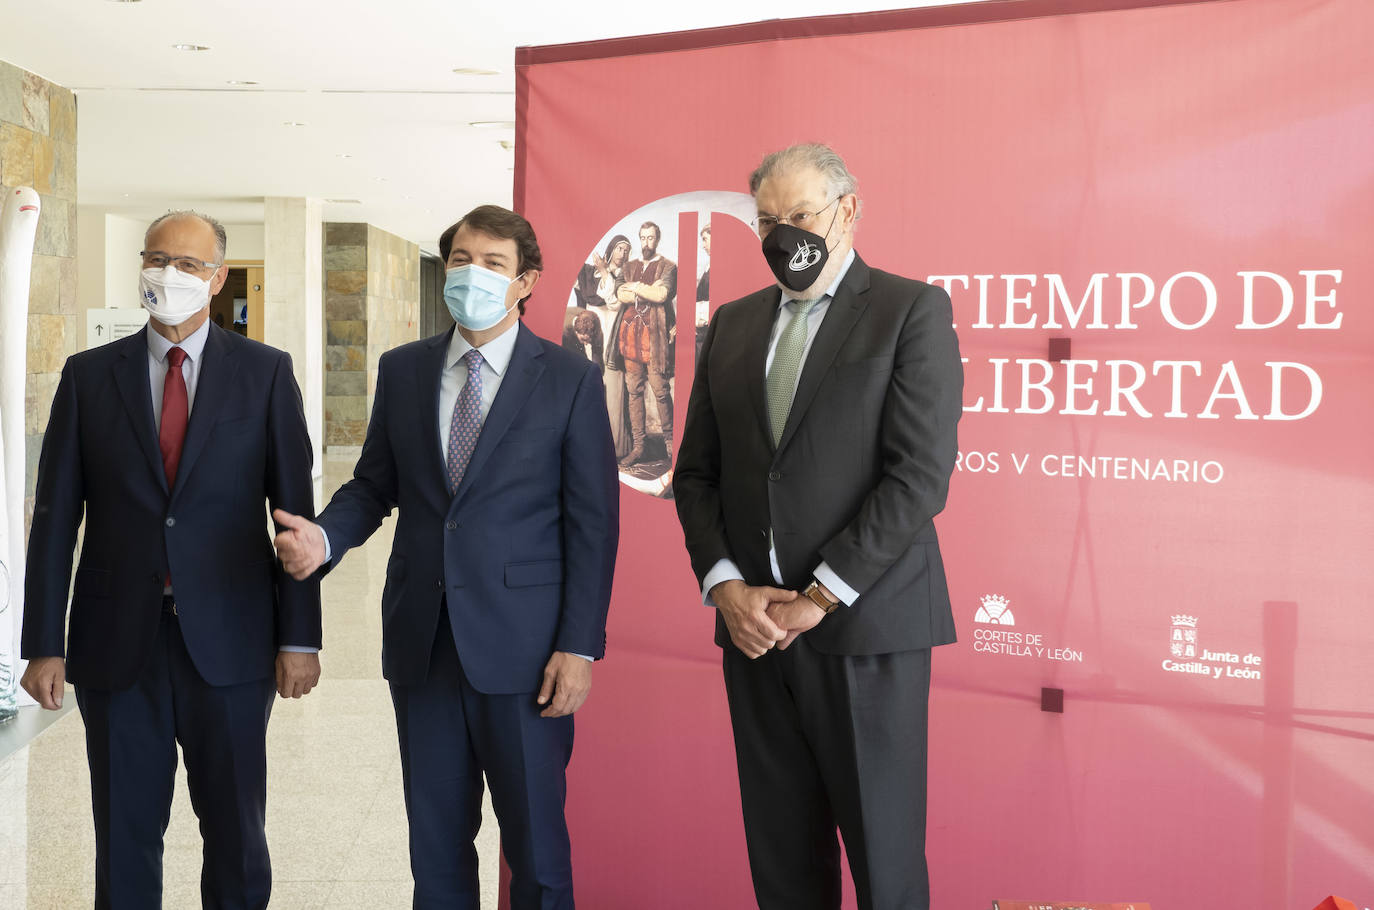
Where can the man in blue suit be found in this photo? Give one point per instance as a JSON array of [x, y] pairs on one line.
[[182, 624], [496, 447]]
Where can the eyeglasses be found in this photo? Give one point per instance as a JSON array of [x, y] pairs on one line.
[[156, 259], [804, 220]]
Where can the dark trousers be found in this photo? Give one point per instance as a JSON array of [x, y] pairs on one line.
[[449, 735], [825, 741], [131, 742]]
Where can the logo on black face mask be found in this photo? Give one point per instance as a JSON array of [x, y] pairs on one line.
[[807, 255], [796, 257]]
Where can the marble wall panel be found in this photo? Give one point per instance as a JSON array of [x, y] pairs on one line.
[[38, 128], [62, 114], [37, 103], [11, 93]]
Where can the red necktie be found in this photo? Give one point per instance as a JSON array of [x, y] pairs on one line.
[[175, 413]]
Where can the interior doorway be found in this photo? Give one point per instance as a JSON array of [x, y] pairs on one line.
[[238, 305]]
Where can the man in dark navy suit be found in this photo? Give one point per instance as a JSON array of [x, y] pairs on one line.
[[496, 447], [182, 623]]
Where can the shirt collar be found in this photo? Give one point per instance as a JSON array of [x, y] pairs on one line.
[[834, 285], [496, 353], [193, 345]]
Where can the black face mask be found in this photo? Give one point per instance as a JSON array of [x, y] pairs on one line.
[[796, 257]]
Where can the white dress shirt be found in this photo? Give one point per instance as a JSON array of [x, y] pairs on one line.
[[726, 569]]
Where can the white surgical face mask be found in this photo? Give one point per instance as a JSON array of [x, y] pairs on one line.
[[172, 296]]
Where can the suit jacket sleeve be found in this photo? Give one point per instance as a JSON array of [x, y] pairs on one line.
[[917, 446], [290, 457], [591, 520], [358, 507], [59, 503], [696, 476]]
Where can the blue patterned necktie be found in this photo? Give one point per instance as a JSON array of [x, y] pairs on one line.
[[466, 424]]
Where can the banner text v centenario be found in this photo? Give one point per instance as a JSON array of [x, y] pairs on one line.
[[1255, 301]]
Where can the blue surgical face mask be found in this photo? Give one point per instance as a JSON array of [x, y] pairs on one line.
[[476, 296]]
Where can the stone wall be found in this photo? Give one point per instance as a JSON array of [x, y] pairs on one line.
[[38, 149], [371, 304], [393, 297]]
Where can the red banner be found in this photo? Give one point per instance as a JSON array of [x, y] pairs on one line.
[[1155, 223]]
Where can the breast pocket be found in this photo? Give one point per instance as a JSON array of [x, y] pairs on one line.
[[535, 449], [865, 370], [236, 423]]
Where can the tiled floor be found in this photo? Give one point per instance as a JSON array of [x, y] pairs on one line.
[[335, 816]]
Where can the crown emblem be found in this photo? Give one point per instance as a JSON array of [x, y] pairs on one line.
[[995, 611], [1181, 619]]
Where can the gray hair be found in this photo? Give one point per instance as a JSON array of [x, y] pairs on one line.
[[838, 180], [221, 238]]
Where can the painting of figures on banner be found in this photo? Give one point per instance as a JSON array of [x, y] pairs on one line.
[[626, 313]]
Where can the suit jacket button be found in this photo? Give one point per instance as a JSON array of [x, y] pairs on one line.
[[171, 522], [439, 583], [451, 525], [775, 475]]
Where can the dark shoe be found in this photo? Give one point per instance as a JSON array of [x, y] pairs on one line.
[[635, 456]]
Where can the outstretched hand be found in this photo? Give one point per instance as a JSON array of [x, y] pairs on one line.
[[300, 547]]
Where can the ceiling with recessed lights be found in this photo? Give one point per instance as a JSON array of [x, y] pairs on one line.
[[398, 113]]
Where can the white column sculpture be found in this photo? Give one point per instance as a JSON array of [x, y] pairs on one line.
[[18, 227]]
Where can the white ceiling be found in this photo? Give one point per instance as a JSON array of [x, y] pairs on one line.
[[162, 128]]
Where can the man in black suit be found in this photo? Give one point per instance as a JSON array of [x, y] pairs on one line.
[[182, 623], [819, 443]]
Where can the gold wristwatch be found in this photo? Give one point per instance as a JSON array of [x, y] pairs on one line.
[[813, 593]]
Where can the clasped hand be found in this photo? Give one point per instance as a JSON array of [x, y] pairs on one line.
[[760, 618], [300, 547]]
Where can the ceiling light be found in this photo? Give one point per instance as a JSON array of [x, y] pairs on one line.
[[292, 123], [493, 124], [473, 71], [345, 201], [191, 47], [506, 144], [227, 81], [343, 155]]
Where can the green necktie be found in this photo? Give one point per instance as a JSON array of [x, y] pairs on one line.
[[782, 378]]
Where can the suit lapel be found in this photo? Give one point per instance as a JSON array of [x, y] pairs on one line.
[[755, 332], [846, 307], [214, 384], [429, 375], [522, 373], [131, 376]]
